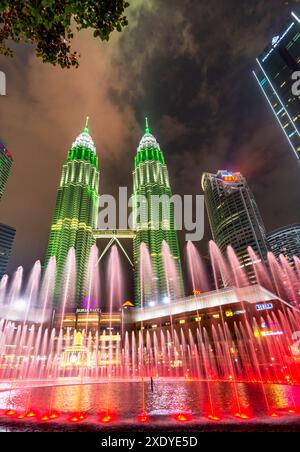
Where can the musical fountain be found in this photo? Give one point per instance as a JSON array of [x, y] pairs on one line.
[[231, 371]]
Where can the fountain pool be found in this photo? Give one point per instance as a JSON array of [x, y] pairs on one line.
[[170, 403]]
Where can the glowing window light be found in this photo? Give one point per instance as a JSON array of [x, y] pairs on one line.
[[295, 17], [229, 314]]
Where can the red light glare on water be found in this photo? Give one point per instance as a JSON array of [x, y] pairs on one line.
[[273, 414], [31, 414], [45, 418], [49, 417], [182, 417], [77, 417], [10, 413], [213, 417], [107, 417], [242, 416], [143, 418]]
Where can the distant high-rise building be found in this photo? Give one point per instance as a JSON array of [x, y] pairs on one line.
[[151, 178], [234, 216], [274, 70], [7, 237], [6, 162], [76, 210], [285, 241]]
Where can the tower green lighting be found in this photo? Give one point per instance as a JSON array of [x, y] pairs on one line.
[[151, 178], [76, 210]]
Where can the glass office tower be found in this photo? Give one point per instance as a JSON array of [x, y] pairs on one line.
[[7, 237], [285, 241], [274, 71], [234, 217]]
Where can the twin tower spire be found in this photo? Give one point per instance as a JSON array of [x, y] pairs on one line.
[[87, 130], [85, 140]]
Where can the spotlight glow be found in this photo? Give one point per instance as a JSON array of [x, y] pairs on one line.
[[10, 413], [242, 416], [182, 417], [106, 419], [77, 417], [31, 414], [143, 418], [213, 417]]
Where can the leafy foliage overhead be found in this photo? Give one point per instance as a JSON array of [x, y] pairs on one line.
[[49, 25]]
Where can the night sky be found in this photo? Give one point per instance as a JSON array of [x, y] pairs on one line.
[[185, 64]]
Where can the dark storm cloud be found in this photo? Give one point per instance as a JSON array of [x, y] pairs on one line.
[[198, 73], [187, 65]]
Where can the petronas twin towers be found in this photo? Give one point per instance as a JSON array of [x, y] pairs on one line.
[[76, 212]]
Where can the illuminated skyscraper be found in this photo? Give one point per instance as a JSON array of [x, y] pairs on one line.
[[274, 70], [6, 162], [7, 237], [151, 178], [234, 216], [285, 241], [76, 209]]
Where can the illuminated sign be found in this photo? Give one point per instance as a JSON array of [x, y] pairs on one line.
[[88, 311], [239, 312], [89, 303], [264, 307], [271, 333], [276, 41], [258, 333], [227, 177], [268, 325]]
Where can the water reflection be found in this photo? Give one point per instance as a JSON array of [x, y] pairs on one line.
[[167, 398]]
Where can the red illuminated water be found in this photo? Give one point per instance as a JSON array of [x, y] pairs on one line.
[[169, 403]]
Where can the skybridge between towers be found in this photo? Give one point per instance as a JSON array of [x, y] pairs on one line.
[[114, 236]]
